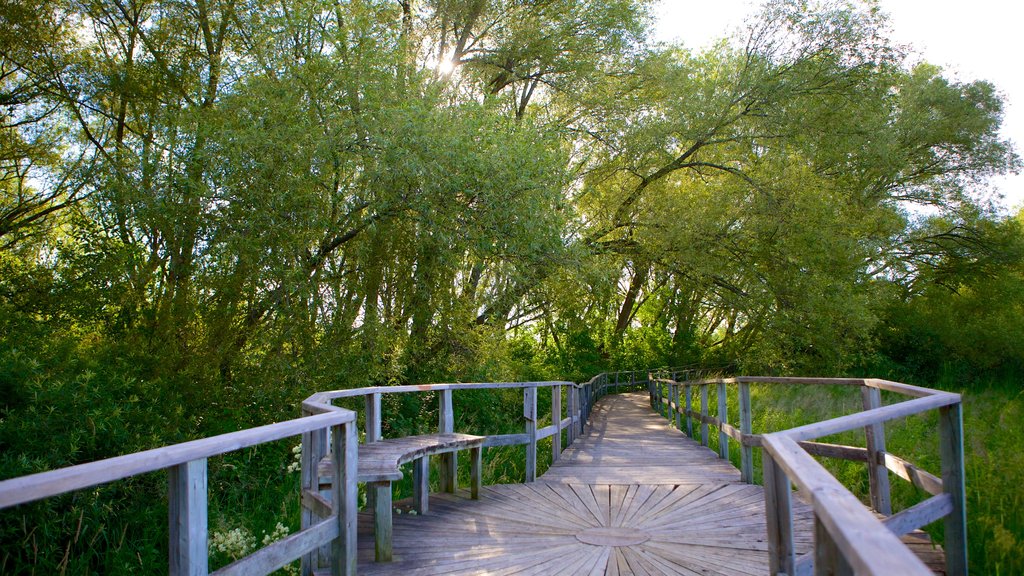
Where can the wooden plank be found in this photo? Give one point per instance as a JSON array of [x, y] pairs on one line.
[[689, 412], [922, 479], [746, 429], [854, 529], [703, 415], [346, 493], [723, 418], [951, 450], [800, 380], [45, 484], [320, 506], [778, 514], [862, 419], [556, 419], [282, 552], [449, 463], [312, 454], [382, 521], [506, 440], [840, 451], [919, 515], [187, 519], [899, 387], [878, 475], [476, 471], [421, 485], [372, 418], [327, 396], [828, 559], [530, 425]]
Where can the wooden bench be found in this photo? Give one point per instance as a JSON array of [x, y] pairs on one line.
[[378, 467]]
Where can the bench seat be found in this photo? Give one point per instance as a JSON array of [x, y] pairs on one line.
[[379, 465]]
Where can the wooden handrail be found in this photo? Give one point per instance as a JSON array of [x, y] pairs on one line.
[[186, 464], [54, 482], [847, 537]]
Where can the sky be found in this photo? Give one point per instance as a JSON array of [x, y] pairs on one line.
[[977, 40]]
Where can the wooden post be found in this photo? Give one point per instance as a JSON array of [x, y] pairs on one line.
[[878, 474], [675, 399], [951, 450], [449, 461], [345, 498], [476, 471], [312, 454], [371, 426], [779, 516], [421, 484], [530, 418], [723, 418], [556, 420], [704, 414], [828, 560], [746, 452], [187, 519], [382, 521], [689, 411], [372, 417], [314, 448], [570, 396]]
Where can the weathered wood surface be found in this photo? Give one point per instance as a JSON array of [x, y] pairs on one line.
[[632, 496], [380, 460], [627, 443]]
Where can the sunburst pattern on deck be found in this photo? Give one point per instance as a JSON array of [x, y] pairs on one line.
[[632, 496]]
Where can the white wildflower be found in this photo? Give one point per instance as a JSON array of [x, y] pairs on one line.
[[234, 543], [280, 531]]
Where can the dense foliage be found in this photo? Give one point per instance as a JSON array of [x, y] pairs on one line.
[[211, 208]]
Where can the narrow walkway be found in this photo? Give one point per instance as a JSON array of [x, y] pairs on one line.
[[633, 496]]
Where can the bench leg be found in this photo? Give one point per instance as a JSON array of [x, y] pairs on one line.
[[476, 469], [382, 521], [450, 472], [421, 485]]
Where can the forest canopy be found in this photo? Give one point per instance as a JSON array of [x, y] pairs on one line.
[[326, 194]]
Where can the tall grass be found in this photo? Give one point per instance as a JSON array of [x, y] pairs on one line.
[[994, 459]]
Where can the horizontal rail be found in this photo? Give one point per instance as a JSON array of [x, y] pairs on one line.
[[866, 545], [834, 550], [326, 396], [46, 484], [874, 416]]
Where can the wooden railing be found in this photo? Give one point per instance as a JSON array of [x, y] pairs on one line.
[[187, 493], [849, 538]]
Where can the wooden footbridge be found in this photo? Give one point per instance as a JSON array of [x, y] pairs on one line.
[[636, 490]]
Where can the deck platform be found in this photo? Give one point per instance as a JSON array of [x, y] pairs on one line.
[[632, 496]]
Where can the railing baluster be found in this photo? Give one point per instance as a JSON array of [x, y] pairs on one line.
[[345, 498], [723, 419], [746, 452], [530, 419], [449, 461], [704, 414], [556, 420], [372, 417], [878, 474], [689, 411], [779, 516], [187, 519], [951, 450], [828, 559]]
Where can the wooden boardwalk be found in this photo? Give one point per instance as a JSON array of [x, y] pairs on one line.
[[632, 496]]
